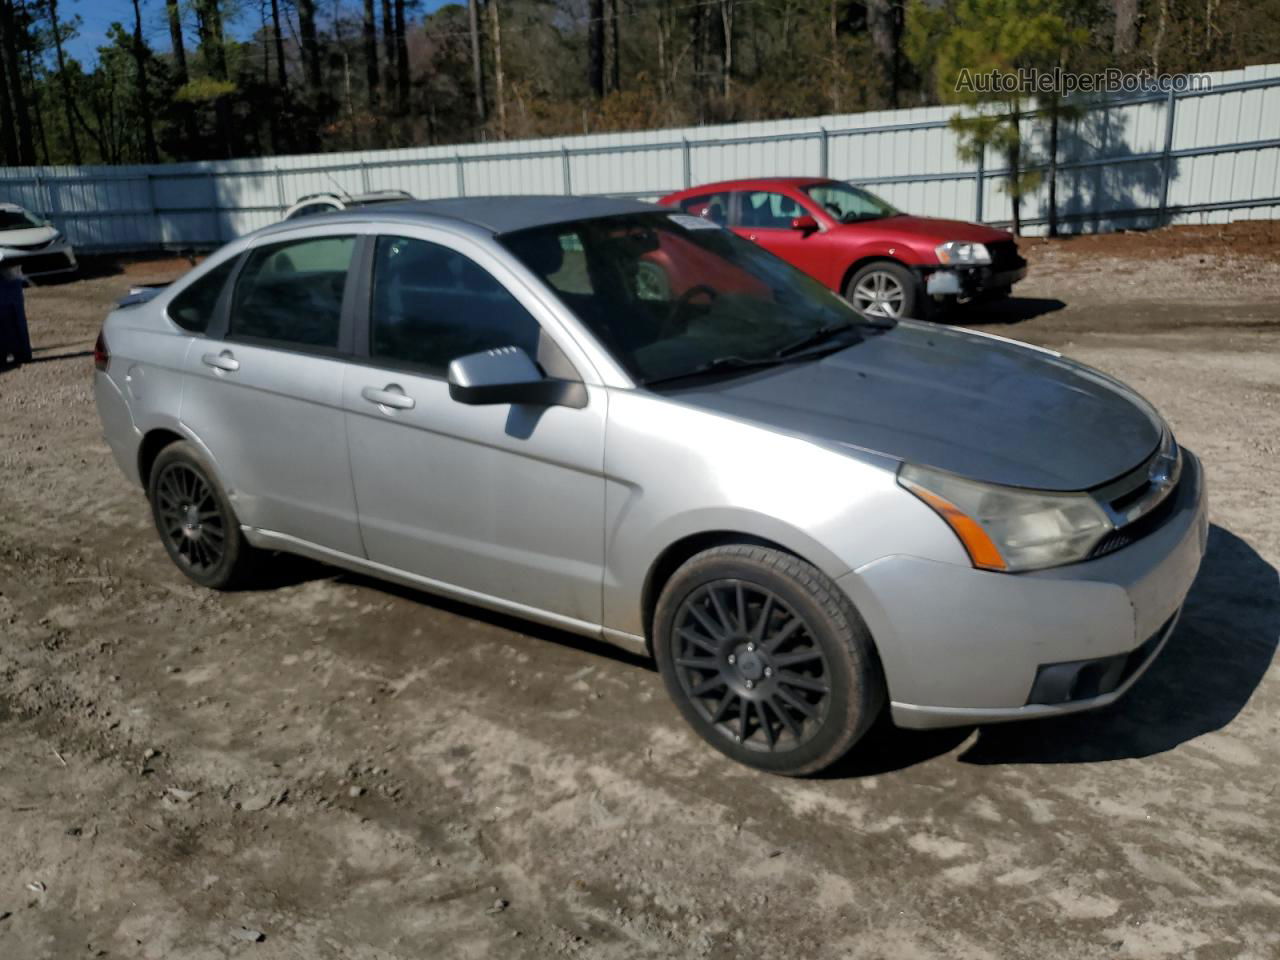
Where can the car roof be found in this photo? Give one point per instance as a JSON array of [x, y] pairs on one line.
[[13, 208], [754, 183], [501, 214]]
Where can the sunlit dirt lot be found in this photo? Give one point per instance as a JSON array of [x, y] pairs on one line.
[[330, 767]]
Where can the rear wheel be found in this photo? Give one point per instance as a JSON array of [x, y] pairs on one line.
[[767, 659], [885, 289], [195, 521]]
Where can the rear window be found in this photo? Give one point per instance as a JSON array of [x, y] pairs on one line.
[[195, 306]]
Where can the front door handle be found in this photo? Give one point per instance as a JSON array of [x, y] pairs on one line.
[[389, 396], [224, 361], [751, 237]]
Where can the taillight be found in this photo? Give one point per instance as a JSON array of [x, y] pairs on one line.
[[101, 355]]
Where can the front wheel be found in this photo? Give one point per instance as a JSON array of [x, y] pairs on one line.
[[884, 289], [767, 659]]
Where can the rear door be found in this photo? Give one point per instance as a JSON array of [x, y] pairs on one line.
[[764, 217], [264, 388], [504, 500]]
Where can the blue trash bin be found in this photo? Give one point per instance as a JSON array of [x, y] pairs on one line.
[[15, 341]]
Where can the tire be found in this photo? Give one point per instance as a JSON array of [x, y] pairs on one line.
[[195, 521], [886, 289], [788, 680]]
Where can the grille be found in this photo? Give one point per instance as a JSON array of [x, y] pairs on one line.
[[42, 263], [1004, 255], [1133, 532]]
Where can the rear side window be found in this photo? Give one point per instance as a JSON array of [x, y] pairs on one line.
[[713, 206], [194, 307], [291, 293], [432, 305]]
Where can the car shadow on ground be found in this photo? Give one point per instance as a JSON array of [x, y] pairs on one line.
[[1221, 649], [286, 570], [1223, 645], [1006, 310]]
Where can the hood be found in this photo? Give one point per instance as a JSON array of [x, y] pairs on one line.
[[27, 236], [940, 231], [976, 406]]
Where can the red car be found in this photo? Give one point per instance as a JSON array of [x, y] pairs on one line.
[[885, 262]]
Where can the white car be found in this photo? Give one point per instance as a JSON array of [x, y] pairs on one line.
[[318, 203], [33, 244]]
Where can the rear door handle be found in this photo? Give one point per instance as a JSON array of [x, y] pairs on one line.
[[224, 361], [389, 396]]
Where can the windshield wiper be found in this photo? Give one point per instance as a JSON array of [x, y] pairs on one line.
[[717, 365], [821, 335]]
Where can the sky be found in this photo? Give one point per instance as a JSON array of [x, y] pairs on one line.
[[97, 15]]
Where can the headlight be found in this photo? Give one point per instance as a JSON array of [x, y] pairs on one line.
[[1007, 528], [961, 253]]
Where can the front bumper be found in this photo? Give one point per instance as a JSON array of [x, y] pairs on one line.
[[972, 281], [45, 261], [962, 646]]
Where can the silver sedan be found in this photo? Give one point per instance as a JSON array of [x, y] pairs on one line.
[[629, 423]]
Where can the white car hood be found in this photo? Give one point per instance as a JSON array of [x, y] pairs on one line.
[[27, 237]]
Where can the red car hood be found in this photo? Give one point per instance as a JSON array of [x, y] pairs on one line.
[[940, 231]]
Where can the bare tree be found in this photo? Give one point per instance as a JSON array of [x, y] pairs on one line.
[[389, 51], [371, 53], [175, 38], [310, 44], [282, 73], [1125, 39], [140, 54], [499, 82], [402, 61], [8, 134], [882, 24], [13, 64], [477, 65], [727, 10], [595, 47], [68, 101]]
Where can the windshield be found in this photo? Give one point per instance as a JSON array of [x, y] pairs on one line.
[[849, 204], [672, 295], [18, 220]]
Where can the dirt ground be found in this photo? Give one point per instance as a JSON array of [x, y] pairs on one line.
[[333, 768]]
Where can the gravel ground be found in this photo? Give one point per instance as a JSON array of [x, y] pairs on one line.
[[330, 767]]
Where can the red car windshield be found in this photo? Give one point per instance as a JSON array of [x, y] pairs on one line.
[[850, 204], [671, 295]]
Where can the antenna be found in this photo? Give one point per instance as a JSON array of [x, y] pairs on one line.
[[341, 192]]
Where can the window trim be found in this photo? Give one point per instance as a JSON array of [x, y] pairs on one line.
[[343, 349]]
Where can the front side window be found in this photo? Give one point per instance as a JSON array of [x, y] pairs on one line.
[[769, 210], [432, 305], [194, 307], [848, 203], [291, 292], [669, 294]]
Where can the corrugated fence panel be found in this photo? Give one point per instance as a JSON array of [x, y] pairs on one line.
[[1113, 170]]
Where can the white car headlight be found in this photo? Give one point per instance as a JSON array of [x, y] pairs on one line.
[[962, 253], [1008, 528]]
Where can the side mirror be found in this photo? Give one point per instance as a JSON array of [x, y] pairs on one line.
[[508, 375], [806, 224]]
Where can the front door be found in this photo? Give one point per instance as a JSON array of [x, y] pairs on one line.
[[502, 501], [764, 217], [264, 392]]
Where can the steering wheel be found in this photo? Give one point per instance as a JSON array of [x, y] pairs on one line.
[[673, 324]]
